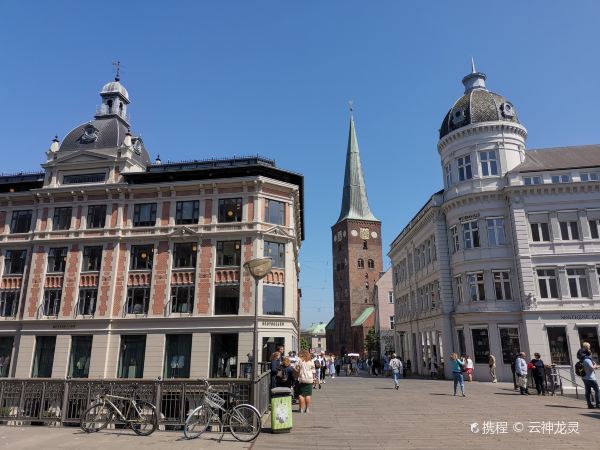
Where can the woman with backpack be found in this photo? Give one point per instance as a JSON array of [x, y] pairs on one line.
[[285, 374], [305, 372], [275, 363]]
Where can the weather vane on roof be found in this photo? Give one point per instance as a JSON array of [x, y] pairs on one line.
[[351, 106], [117, 64]]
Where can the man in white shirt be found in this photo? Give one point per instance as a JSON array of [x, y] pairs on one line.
[[521, 372], [395, 366]]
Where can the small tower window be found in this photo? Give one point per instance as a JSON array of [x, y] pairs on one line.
[[371, 264], [365, 246], [109, 103], [120, 108], [361, 263]]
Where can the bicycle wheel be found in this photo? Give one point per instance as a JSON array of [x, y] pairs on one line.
[[244, 423], [144, 419], [95, 418], [197, 422]]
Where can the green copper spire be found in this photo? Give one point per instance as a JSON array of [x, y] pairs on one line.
[[355, 204]]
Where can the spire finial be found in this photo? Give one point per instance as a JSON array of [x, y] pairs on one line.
[[351, 106], [117, 64], [473, 65]]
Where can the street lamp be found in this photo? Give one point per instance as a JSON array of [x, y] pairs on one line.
[[258, 268]]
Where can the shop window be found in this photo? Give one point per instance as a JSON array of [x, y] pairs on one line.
[[138, 299], [184, 255], [86, 305], [62, 218], [9, 301], [481, 345], [178, 352], [43, 358], [274, 212], [273, 300], [21, 221], [144, 215], [96, 216], [510, 343], [227, 299], [275, 251], [187, 213], [182, 299], [228, 253], [141, 257], [92, 259], [559, 346], [270, 346], [57, 260], [81, 353], [230, 210], [6, 348], [14, 262], [224, 350], [131, 360], [52, 302], [590, 335]]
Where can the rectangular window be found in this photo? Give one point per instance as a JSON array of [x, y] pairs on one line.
[[144, 215], [43, 358], [274, 212], [138, 299], [594, 225], [569, 231], [547, 283], [454, 241], [391, 322], [182, 299], [590, 335], [272, 300], [228, 253], [92, 259], [464, 168], [559, 346], [227, 299], [9, 301], [481, 345], [578, 284], [459, 289], [223, 354], [21, 221], [187, 212], [528, 181], [590, 176], [81, 353], [14, 262], [561, 179], [6, 348], [141, 257], [178, 351], [96, 216], [471, 234], [276, 251], [448, 172], [230, 210], [390, 296], [84, 178], [476, 286], [489, 164], [540, 232], [57, 260], [52, 301], [184, 255], [62, 218], [495, 232], [502, 285], [131, 360], [86, 305], [510, 343]]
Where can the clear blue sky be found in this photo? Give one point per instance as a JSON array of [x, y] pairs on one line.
[[229, 78]]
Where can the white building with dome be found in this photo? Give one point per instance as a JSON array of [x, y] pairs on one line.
[[506, 257]]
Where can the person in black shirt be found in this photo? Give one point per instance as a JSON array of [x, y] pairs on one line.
[[539, 373]]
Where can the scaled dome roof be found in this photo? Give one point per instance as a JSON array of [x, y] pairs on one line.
[[477, 105]]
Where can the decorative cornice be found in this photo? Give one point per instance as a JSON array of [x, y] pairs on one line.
[[481, 128]]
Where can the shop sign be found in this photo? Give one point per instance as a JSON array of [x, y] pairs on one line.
[[468, 218], [270, 323], [63, 326], [582, 316]]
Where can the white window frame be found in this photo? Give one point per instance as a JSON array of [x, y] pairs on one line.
[[460, 295], [489, 163], [532, 180], [454, 239], [465, 170], [540, 231], [390, 296], [495, 230], [589, 176], [448, 172], [470, 230], [476, 280], [562, 178], [581, 286], [391, 322], [545, 278], [502, 279]]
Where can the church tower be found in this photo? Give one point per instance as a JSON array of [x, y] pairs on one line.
[[357, 257]]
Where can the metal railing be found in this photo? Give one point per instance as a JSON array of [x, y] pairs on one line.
[[246, 369], [34, 401]]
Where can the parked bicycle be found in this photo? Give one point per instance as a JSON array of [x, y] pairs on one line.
[[138, 414], [242, 420]]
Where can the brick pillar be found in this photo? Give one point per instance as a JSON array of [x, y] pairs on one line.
[[44, 219], [161, 274], [36, 282], [70, 287], [105, 279], [247, 279], [113, 215], [208, 211], [166, 214], [120, 279], [204, 277], [78, 218], [250, 209]]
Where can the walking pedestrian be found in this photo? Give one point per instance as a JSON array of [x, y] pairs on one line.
[[375, 366], [338, 365], [521, 373], [539, 373], [275, 363], [325, 367], [305, 370], [590, 381], [331, 367], [492, 366], [396, 367], [319, 363], [470, 367], [285, 374], [458, 365], [408, 368]]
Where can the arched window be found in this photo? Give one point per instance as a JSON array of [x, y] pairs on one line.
[[109, 103], [371, 264], [361, 263]]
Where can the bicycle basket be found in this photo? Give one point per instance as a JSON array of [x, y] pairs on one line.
[[214, 400]]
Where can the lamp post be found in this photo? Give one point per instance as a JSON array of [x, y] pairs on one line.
[[258, 268]]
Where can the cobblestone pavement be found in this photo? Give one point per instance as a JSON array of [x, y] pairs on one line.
[[367, 413]]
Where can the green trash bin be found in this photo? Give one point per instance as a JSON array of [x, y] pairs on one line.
[[281, 410]]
